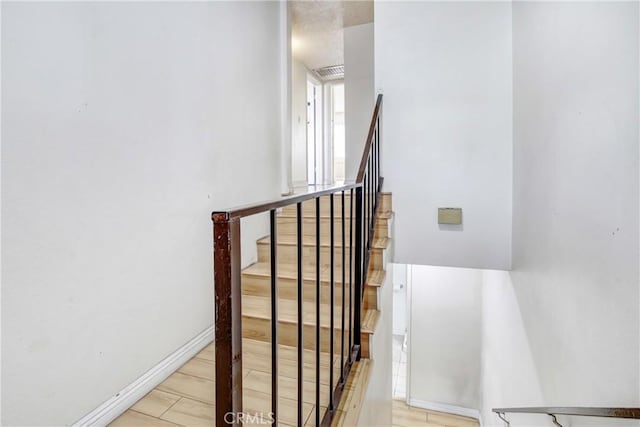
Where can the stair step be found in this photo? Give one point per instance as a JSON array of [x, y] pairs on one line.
[[288, 252], [256, 280], [289, 240], [263, 269], [309, 206], [260, 307], [289, 212], [288, 226], [256, 322]]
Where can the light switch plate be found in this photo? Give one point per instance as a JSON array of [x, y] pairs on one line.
[[450, 216]]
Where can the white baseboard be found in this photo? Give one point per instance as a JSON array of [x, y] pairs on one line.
[[449, 409], [116, 405]]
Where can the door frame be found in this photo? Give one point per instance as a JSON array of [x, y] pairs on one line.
[[328, 125], [319, 157]]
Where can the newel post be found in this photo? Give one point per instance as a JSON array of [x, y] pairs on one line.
[[227, 318]]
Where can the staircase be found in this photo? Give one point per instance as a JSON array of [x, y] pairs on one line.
[[311, 299], [256, 293]]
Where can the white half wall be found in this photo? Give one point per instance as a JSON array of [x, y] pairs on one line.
[[445, 71], [359, 93], [377, 405], [444, 335], [123, 126]]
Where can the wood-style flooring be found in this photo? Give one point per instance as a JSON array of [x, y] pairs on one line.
[[187, 397], [406, 416]]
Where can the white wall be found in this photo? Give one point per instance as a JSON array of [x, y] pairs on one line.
[[576, 243], [445, 71], [444, 336], [359, 92], [124, 126], [286, 100], [509, 376], [567, 318], [299, 123]]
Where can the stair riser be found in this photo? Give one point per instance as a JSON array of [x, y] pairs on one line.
[[288, 255], [309, 207], [288, 289], [260, 329], [288, 228], [370, 301]]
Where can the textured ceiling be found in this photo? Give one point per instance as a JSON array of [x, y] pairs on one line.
[[317, 29]]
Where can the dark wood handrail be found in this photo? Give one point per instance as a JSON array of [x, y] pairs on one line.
[[260, 207], [370, 135], [633, 413]]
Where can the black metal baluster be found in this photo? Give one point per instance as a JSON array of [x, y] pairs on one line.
[[371, 190], [300, 308], [343, 297], [332, 292], [365, 229], [332, 320], [376, 160], [378, 127], [358, 273], [366, 209], [371, 203], [378, 152], [274, 317], [318, 311], [350, 270]]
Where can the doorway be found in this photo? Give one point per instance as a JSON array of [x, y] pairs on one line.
[[337, 130], [401, 276], [315, 164]]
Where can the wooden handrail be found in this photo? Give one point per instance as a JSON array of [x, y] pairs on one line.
[[260, 207], [370, 135], [633, 413]]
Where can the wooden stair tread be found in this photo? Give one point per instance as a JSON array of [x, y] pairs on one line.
[[291, 240], [376, 278], [259, 349], [260, 307], [287, 271], [369, 320]]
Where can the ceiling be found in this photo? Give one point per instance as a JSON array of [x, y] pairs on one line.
[[317, 29]]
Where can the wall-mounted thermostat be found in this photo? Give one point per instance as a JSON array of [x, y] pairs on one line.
[[450, 216]]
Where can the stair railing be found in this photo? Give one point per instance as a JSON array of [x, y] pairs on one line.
[[553, 412], [228, 290]]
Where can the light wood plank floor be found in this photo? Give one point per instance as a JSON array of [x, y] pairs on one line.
[[187, 397], [406, 416]]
